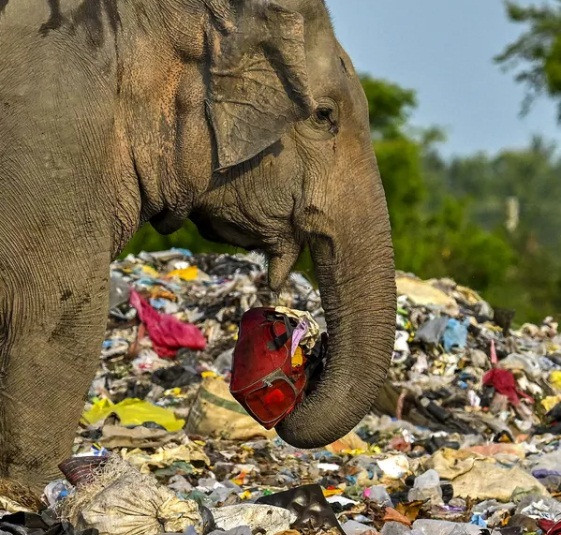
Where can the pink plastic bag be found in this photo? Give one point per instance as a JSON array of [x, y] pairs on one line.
[[167, 333]]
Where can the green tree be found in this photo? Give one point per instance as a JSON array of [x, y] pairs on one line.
[[530, 277], [536, 54], [389, 106], [432, 233]]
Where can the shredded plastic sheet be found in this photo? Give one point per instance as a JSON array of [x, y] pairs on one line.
[[504, 382], [186, 274], [307, 331]]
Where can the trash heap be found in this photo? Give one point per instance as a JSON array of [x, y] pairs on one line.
[[464, 438]]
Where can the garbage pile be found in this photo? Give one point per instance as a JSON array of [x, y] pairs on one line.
[[464, 438]]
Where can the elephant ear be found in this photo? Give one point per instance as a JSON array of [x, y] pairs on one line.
[[258, 77]]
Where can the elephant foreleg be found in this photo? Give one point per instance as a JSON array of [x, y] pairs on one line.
[[51, 325]]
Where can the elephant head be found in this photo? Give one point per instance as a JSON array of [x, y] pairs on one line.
[[281, 126]]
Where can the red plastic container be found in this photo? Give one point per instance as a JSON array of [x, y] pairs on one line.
[[264, 380]]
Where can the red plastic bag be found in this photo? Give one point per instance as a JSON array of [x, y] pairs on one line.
[[167, 333], [551, 528], [504, 383]]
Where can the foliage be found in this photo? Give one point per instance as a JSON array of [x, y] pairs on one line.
[[147, 239], [531, 282], [389, 106], [537, 52], [432, 233]]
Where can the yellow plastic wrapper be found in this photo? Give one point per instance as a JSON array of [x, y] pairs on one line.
[[549, 402], [150, 271], [298, 358], [188, 274], [555, 379], [350, 444], [133, 412]]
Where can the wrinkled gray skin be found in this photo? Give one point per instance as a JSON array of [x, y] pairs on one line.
[[245, 115]]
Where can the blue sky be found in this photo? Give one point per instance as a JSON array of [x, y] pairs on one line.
[[444, 50]]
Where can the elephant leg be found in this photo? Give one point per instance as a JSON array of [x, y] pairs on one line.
[[51, 327]]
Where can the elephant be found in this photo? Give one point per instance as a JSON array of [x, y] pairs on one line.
[[245, 116]]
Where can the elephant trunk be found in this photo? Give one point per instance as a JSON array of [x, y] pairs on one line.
[[355, 271]]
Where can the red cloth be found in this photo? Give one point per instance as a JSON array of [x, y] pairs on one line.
[[504, 383], [551, 527], [167, 333]]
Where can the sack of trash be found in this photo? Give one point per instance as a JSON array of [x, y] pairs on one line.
[[119, 500], [217, 414]]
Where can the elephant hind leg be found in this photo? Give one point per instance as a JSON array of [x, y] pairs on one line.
[[52, 330]]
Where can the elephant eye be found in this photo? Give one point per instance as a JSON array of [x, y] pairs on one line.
[[326, 117], [323, 114]]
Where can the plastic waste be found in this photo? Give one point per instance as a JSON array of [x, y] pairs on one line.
[[307, 331], [394, 467], [378, 494], [133, 412], [433, 412], [122, 501], [56, 491], [241, 530], [23, 523], [504, 383], [455, 334], [267, 519], [190, 455], [216, 413], [553, 528], [309, 506], [487, 480], [185, 274], [349, 444], [427, 487], [167, 333], [422, 293], [539, 507], [395, 528], [118, 436], [119, 290], [175, 376], [555, 379], [442, 527], [432, 331], [351, 527]]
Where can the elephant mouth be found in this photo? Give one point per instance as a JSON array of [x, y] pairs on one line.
[[282, 255], [225, 232]]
